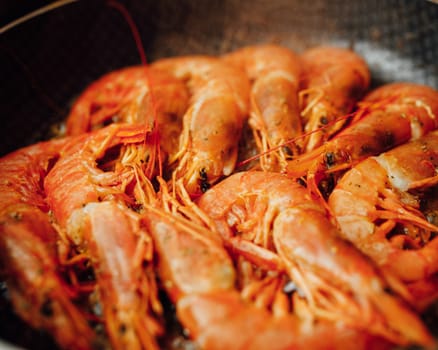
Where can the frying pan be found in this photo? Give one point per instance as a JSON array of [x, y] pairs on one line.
[[46, 61]]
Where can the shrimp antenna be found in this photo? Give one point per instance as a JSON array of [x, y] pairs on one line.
[[132, 26], [288, 142], [36, 13], [139, 44]]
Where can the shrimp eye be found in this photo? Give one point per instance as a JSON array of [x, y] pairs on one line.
[[122, 328], [203, 180], [326, 186], [203, 174], [385, 139], [47, 308], [16, 216], [329, 159], [205, 186], [302, 182], [287, 150]]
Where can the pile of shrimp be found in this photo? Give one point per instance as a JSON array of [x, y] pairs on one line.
[[266, 199]]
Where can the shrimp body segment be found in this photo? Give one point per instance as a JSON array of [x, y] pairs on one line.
[[213, 123], [274, 72], [277, 213], [334, 79], [29, 249], [89, 195], [383, 215]]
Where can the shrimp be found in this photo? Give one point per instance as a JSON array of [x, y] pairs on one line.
[[334, 79], [209, 307], [274, 112], [222, 320], [213, 123], [276, 213], [382, 214], [390, 115], [128, 95], [89, 190], [28, 245], [131, 95]]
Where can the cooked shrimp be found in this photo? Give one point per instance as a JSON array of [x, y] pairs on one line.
[[381, 214], [129, 95], [223, 320], [277, 213], [274, 72], [136, 94], [213, 123], [390, 115], [89, 190], [334, 79], [212, 312], [28, 245]]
